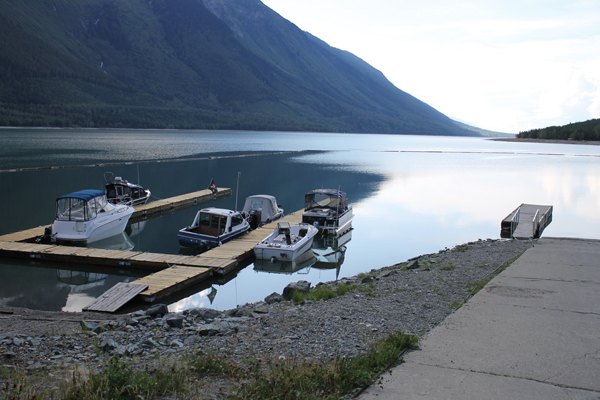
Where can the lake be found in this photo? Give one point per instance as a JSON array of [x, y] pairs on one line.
[[411, 195]]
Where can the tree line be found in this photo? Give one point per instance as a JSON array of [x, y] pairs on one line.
[[587, 130]]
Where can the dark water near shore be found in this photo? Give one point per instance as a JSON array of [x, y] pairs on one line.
[[411, 195]]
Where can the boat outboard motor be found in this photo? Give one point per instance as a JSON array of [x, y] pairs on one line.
[[255, 218], [46, 238]]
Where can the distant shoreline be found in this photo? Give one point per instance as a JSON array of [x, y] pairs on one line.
[[529, 140]]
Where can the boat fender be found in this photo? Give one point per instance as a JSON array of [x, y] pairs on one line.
[[273, 260]]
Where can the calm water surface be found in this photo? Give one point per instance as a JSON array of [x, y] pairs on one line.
[[411, 195]]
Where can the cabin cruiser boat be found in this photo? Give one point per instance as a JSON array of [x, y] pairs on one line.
[[87, 216], [212, 227], [120, 191], [328, 210], [261, 209], [286, 242]]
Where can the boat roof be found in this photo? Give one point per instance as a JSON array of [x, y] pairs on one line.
[[219, 211], [86, 195], [262, 196], [328, 192]]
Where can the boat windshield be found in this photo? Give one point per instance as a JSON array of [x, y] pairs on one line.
[[76, 209], [323, 200]]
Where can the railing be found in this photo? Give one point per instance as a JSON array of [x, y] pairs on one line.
[[514, 221], [536, 223]]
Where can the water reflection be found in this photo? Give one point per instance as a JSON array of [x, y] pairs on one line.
[[304, 260], [410, 196]]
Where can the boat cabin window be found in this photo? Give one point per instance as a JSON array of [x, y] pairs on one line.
[[215, 222], [70, 209], [236, 220], [325, 200], [256, 204]]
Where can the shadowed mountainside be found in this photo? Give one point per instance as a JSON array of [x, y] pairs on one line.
[[202, 64]]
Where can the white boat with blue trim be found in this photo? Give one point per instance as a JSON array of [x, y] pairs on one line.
[[87, 216], [212, 227]]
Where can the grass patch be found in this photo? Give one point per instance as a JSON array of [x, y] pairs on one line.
[[120, 381], [322, 292], [460, 249], [456, 305], [447, 268], [324, 379], [368, 290]]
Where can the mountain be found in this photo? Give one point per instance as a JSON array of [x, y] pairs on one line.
[[202, 64], [484, 132]]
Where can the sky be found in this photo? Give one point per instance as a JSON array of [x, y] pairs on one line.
[[506, 66]]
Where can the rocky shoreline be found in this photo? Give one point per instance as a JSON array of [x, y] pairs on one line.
[[413, 296]]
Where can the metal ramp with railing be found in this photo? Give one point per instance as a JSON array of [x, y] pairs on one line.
[[526, 221]]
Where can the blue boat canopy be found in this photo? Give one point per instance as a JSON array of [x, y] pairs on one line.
[[86, 195]]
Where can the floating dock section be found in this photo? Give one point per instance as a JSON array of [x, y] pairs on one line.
[[527, 221], [218, 261]]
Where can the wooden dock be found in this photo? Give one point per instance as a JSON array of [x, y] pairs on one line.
[[224, 259], [144, 211], [527, 221], [174, 272]]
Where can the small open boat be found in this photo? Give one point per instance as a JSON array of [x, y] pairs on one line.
[[120, 191], [286, 242], [212, 227], [328, 210], [87, 216]]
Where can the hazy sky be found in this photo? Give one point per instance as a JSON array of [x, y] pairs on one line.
[[507, 66]]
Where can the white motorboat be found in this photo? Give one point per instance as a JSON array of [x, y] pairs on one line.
[[286, 242], [212, 227], [87, 216], [261, 209], [328, 210], [121, 191]]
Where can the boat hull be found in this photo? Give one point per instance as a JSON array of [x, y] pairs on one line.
[[204, 242], [329, 225]]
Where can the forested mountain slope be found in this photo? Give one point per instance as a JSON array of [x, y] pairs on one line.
[[205, 64]]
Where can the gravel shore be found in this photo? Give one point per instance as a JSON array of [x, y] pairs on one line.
[[413, 296]]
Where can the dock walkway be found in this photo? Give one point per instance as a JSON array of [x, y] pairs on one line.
[[526, 221]]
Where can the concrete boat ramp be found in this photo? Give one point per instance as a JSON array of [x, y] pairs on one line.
[[533, 332]]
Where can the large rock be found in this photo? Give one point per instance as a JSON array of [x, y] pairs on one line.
[[273, 298], [219, 328], [175, 321], [157, 310], [300, 286], [203, 313], [91, 326]]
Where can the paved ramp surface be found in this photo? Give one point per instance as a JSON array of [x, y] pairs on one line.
[[532, 333]]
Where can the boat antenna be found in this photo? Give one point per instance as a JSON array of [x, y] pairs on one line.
[[237, 187]]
